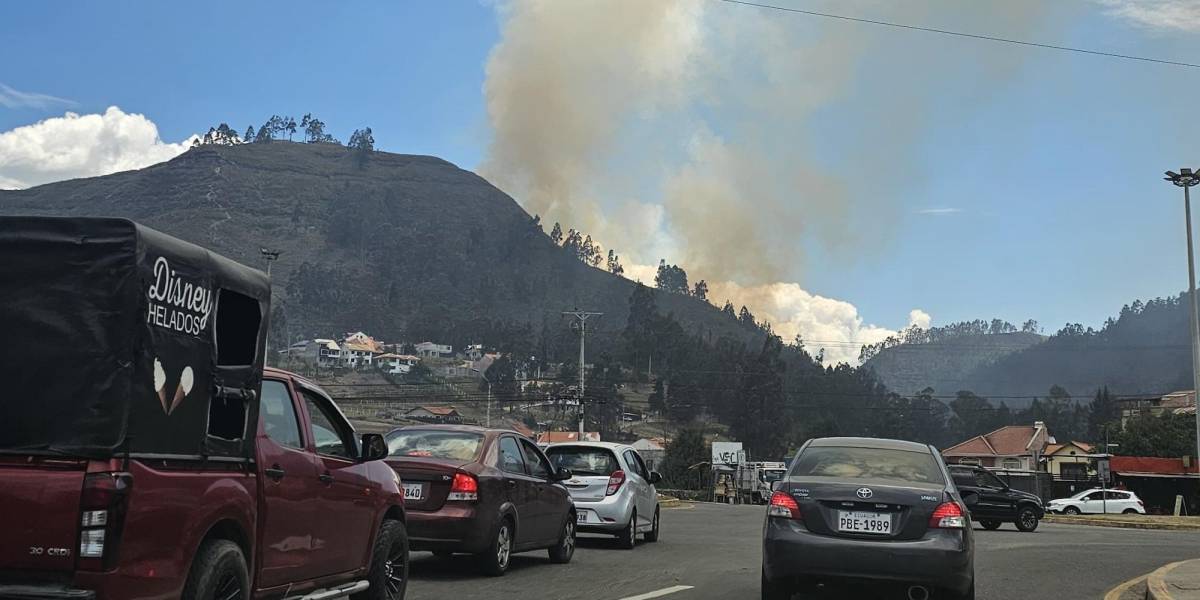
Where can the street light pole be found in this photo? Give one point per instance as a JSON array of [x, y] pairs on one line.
[[1185, 179]]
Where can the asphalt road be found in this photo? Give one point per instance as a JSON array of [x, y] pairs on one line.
[[715, 550]]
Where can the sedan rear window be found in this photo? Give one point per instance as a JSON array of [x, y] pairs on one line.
[[583, 460], [432, 443], [867, 463]]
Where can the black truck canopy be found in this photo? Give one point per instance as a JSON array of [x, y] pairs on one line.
[[116, 338]]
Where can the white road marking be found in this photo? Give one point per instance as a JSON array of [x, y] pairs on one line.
[[659, 593]]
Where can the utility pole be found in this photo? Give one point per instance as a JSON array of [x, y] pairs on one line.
[[1185, 179], [581, 317], [271, 256]]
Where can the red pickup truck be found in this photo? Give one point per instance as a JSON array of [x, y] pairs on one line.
[[145, 453]]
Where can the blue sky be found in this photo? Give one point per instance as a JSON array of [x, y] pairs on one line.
[[978, 179]]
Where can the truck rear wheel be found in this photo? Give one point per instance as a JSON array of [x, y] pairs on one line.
[[218, 573], [389, 564]]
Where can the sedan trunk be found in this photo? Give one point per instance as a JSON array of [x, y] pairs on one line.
[[425, 481], [863, 509]]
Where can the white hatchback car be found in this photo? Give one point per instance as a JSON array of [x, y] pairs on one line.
[[612, 489], [1097, 501]]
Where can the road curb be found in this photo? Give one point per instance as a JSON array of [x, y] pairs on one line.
[[1119, 524], [1156, 585]]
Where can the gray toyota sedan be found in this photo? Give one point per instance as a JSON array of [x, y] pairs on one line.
[[868, 512]]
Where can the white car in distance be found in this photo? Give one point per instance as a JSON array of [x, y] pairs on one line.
[[1098, 501]]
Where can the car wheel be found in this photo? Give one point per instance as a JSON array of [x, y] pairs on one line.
[[774, 590], [990, 525], [1070, 510], [1129, 511], [389, 564], [562, 552], [627, 539], [218, 573], [494, 560], [652, 535], [1027, 519]]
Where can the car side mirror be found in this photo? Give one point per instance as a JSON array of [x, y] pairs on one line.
[[374, 447], [775, 485], [563, 474], [970, 499], [655, 477]]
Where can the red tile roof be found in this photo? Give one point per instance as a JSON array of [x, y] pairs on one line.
[[441, 411], [1013, 440], [1128, 465]]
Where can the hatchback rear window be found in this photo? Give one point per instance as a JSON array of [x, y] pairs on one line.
[[867, 463], [432, 443], [583, 460]]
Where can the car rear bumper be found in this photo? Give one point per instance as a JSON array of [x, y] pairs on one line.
[[607, 515], [452, 528], [44, 592], [942, 559]]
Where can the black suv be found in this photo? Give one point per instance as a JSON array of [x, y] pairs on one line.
[[996, 502]]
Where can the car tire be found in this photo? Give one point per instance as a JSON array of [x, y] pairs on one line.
[[774, 590], [218, 571], [494, 561], [1071, 510], [990, 525], [652, 535], [1027, 519], [627, 539], [562, 551], [389, 564], [1129, 511]]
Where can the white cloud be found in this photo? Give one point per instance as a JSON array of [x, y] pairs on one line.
[[828, 323], [1179, 15], [939, 211], [12, 98], [76, 145], [919, 318]]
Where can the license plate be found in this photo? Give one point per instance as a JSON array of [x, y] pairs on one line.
[[581, 517], [864, 522], [412, 491]]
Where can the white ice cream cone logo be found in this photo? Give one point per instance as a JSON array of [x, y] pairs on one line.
[[183, 389], [187, 380], [160, 384]]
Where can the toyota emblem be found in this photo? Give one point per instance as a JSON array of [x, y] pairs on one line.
[[864, 493]]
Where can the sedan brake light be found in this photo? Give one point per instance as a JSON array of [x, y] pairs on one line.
[[784, 506], [464, 488], [948, 516], [615, 481]]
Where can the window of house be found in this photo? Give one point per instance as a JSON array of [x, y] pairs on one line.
[[1011, 463], [968, 461]]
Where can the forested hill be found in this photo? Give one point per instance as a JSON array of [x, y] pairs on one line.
[[943, 365], [1145, 350], [401, 246]]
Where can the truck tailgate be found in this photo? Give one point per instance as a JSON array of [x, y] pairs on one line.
[[40, 501]]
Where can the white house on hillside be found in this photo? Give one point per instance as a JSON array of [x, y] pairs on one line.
[[396, 364], [432, 350]]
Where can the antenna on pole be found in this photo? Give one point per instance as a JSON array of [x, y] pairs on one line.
[[581, 318]]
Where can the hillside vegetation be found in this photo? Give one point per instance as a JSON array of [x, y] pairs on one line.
[[404, 247]]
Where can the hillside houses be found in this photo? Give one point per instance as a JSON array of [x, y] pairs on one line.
[[359, 350]]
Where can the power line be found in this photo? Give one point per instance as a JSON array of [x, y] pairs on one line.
[[976, 36]]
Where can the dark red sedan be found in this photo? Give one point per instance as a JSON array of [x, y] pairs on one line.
[[486, 492]]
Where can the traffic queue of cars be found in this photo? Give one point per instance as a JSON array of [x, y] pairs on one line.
[[492, 492]]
